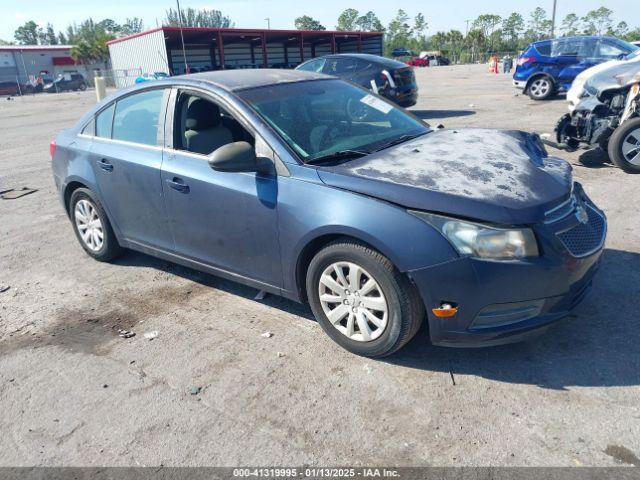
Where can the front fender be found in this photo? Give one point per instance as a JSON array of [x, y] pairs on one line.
[[408, 242]]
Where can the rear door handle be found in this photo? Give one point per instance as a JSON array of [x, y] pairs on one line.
[[177, 185], [104, 165]]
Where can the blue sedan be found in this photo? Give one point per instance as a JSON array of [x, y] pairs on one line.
[[306, 186]]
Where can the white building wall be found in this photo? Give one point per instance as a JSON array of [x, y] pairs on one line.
[[135, 56]]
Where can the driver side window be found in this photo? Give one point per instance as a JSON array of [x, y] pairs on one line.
[[201, 126]]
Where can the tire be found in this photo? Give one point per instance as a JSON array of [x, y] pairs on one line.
[[621, 146], [84, 205], [541, 88], [83, 87], [393, 328]]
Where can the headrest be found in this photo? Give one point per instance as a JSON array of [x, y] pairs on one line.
[[202, 115]]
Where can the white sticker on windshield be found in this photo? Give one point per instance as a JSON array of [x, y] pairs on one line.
[[376, 103]]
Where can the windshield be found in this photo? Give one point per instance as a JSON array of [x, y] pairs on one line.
[[325, 117]]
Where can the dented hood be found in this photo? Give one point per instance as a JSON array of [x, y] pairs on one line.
[[491, 175], [617, 75]]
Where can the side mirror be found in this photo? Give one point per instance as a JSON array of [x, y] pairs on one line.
[[237, 157]]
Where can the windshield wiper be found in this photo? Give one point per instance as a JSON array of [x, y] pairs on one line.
[[400, 139], [339, 155]]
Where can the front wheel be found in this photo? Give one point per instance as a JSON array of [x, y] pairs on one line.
[[361, 301], [624, 146], [83, 87], [541, 88]]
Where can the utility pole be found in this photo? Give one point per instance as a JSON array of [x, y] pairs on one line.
[[553, 20], [184, 52], [268, 20]]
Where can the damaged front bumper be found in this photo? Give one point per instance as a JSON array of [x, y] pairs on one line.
[[508, 301]]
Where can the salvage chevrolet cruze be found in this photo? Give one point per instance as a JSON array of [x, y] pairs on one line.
[[309, 187]]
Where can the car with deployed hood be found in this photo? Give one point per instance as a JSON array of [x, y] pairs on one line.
[[608, 115], [548, 67], [577, 91], [306, 186]]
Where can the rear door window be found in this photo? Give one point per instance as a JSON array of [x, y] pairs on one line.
[[572, 47], [313, 65], [340, 66], [137, 116], [104, 122]]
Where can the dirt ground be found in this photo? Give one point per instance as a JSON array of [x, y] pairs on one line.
[[72, 392]]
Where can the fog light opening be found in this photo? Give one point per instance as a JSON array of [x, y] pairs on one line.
[[445, 310]]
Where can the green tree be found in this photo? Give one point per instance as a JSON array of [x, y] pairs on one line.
[[570, 25], [539, 25], [597, 22], [455, 42], [347, 20], [131, 26], [4, 42], [109, 26], [439, 40], [476, 41], [197, 18], [512, 28], [306, 22], [399, 32], [28, 34], [369, 22], [49, 36], [620, 30], [90, 41]]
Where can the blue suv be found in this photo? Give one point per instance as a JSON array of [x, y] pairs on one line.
[[549, 66]]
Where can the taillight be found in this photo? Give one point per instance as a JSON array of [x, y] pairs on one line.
[[52, 148], [523, 60]]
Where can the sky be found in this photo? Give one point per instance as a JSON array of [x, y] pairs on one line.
[[440, 15]]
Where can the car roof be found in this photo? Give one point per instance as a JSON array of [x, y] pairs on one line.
[[387, 62], [575, 37], [236, 80]]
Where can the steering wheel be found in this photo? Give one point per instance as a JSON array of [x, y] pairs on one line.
[[334, 130]]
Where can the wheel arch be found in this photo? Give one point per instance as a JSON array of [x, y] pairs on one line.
[[69, 188], [321, 240]]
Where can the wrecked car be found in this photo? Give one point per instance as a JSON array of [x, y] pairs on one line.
[[608, 116], [302, 185]]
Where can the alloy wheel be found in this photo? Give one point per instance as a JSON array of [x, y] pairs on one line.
[[540, 87], [353, 301], [89, 224], [631, 147]]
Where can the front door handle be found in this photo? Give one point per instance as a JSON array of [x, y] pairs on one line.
[[177, 185], [104, 165]]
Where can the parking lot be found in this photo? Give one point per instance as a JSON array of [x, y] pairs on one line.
[[74, 393]]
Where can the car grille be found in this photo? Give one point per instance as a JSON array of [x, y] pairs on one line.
[[561, 211], [585, 238]]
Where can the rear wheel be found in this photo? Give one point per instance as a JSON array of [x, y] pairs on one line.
[[361, 301], [92, 226], [624, 146], [540, 88], [83, 87]]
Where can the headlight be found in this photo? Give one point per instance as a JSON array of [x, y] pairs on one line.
[[477, 240]]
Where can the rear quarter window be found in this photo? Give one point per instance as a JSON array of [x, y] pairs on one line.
[[543, 48], [104, 122]]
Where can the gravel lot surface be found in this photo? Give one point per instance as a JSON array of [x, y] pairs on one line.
[[74, 393]]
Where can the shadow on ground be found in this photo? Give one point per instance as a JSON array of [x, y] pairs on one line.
[[595, 158], [429, 114], [598, 346]]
